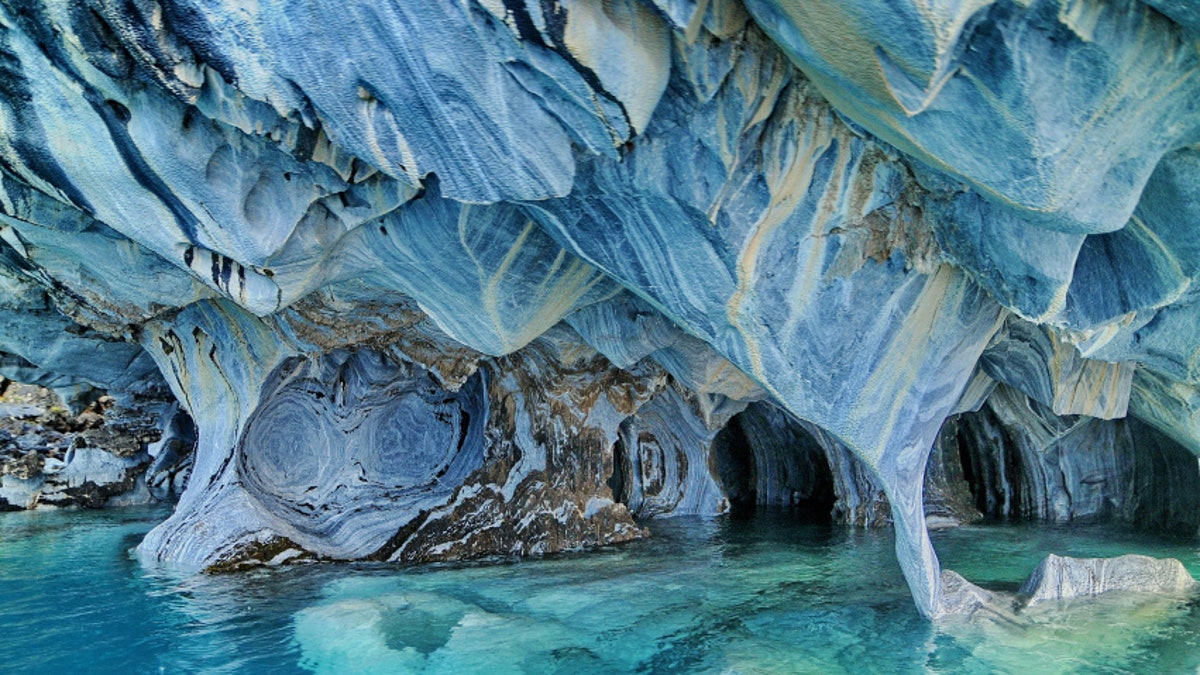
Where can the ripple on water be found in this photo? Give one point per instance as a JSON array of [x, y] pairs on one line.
[[764, 596]]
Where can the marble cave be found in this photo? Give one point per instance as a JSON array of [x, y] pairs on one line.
[[408, 282]]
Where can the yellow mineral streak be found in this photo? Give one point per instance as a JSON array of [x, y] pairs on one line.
[[727, 379], [751, 86], [627, 46], [788, 183], [892, 384], [565, 281], [1088, 387], [808, 265], [837, 37]]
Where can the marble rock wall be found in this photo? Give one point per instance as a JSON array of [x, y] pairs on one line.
[[599, 229], [107, 455], [1023, 461]]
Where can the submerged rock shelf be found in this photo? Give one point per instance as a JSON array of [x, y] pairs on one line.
[[443, 280]]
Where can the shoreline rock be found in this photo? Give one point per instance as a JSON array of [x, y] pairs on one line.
[[101, 456], [1064, 578]]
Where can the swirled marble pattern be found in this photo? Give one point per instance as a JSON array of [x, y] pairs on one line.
[[549, 249], [371, 443]]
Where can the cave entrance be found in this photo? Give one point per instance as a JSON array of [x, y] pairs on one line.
[[621, 480], [665, 463], [732, 462], [764, 459], [1075, 468]]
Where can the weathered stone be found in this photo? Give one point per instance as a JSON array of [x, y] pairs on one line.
[[948, 83], [1023, 461], [92, 459], [1063, 578], [25, 467], [864, 213]]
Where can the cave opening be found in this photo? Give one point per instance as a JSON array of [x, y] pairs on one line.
[[620, 480], [764, 459], [1087, 470], [990, 467], [733, 464], [760, 460]]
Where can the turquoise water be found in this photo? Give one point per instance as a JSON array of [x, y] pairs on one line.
[[763, 596]]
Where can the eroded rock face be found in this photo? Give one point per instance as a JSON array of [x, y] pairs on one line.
[[344, 446], [468, 298], [107, 455], [664, 460], [1025, 462], [400, 446], [1063, 578], [955, 70], [555, 412]]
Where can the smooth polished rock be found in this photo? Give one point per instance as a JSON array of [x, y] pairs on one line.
[[1063, 578], [374, 444], [1168, 405], [511, 67], [1017, 99]]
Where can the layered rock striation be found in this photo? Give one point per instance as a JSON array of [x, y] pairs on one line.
[[466, 278], [1059, 578]]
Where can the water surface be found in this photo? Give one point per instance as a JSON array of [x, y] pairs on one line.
[[768, 595]]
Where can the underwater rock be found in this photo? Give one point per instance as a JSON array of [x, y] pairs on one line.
[[1063, 578]]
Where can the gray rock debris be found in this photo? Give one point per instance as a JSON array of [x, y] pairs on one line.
[[97, 458]]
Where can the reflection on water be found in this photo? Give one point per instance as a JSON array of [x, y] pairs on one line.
[[761, 596]]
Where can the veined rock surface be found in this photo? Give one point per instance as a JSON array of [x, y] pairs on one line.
[[468, 277], [1059, 578]]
